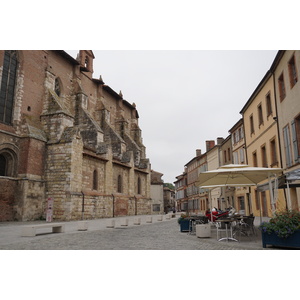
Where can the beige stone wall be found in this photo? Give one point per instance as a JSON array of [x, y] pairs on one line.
[[261, 138]]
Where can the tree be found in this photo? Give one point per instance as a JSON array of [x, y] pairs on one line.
[[170, 186]]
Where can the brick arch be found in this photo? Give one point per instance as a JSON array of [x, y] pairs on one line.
[[8, 162]]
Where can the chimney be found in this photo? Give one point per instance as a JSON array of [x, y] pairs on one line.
[[198, 152], [209, 145], [220, 140]]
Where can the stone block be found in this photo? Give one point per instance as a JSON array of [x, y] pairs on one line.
[[124, 222], [82, 225], [137, 221], [110, 224]]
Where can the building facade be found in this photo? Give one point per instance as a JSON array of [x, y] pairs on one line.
[[157, 192], [268, 135], [242, 202], [67, 137], [169, 200], [285, 70], [262, 143], [181, 192]]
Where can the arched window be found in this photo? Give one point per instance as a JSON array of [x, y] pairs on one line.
[[119, 184], [95, 180], [86, 62], [139, 190], [2, 165], [57, 87], [7, 89], [7, 163]]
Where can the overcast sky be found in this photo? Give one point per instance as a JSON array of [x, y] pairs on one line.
[[183, 97]]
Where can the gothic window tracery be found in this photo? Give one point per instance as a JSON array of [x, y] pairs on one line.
[[7, 89]]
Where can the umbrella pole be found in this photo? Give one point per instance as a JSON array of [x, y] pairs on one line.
[[271, 195], [289, 196], [211, 216], [259, 201]]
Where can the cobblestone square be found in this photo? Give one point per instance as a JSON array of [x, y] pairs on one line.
[[158, 235]]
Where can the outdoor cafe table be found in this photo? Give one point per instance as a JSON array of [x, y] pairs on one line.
[[227, 222]]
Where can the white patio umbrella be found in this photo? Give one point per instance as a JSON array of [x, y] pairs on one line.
[[237, 175]]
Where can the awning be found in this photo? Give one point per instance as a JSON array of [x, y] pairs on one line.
[[284, 181]]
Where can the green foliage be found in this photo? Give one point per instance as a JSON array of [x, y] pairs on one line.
[[182, 217], [283, 224], [170, 186]]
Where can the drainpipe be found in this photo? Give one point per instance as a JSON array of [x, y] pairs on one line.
[[287, 196], [113, 206], [135, 207], [82, 210]]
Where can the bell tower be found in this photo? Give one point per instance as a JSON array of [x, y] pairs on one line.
[[85, 59]]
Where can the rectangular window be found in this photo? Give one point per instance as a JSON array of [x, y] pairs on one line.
[[241, 202], [229, 156], [235, 157], [254, 157], [224, 156], [264, 157], [251, 124], [242, 156], [257, 204], [268, 104], [273, 153], [260, 115], [287, 145], [281, 87], [292, 71], [156, 207], [241, 134]]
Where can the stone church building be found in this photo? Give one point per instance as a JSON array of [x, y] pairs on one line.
[[68, 138]]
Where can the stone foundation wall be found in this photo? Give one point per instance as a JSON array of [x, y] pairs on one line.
[[90, 206], [30, 200], [7, 199], [21, 199]]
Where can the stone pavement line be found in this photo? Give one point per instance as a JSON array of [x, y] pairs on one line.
[[147, 236]]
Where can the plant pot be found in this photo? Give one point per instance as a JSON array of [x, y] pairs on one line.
[[292, 241], [184, 225]]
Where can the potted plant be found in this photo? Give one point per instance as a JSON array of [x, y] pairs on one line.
[[282, 230], [184, 222]]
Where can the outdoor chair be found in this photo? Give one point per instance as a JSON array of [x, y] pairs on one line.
[[245, 227], [249, 228]]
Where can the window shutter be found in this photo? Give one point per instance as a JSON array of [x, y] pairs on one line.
[[294, 137], [287, 146]]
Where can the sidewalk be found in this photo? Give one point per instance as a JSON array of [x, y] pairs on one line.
[[158, 235]]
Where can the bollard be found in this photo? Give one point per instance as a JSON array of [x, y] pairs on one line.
[[82, 226], [110, 224], [124, 222], [159, 218], [203, 230], [137, 221], [149, 219]]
